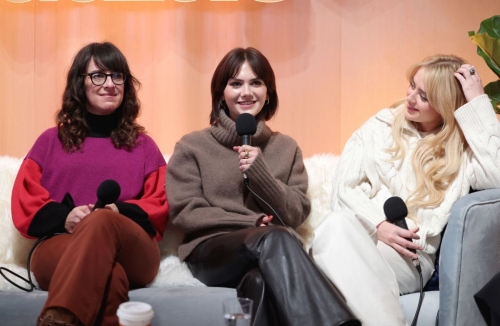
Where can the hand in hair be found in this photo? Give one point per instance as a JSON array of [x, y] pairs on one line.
[[471, 83], [75, 216], [395, 237]]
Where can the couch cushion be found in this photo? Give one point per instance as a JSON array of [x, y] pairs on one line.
[[428, 311], [173, 306]]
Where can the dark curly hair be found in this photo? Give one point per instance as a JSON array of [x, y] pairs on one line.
[[230, 66], [70, 119]]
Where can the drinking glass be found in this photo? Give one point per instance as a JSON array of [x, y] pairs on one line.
[[237, 311]]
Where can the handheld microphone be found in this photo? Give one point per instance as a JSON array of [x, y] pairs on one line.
[[395, 210], [246, 126], [107, 193]]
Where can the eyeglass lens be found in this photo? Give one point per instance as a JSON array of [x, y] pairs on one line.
[[99, 78]]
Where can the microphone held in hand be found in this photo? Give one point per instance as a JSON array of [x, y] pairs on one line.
[[395, 210], [107, 193], [246, 126]]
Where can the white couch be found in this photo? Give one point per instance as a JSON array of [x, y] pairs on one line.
[[14, 248], [179, 299]]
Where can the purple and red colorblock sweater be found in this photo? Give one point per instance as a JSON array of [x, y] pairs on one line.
[[40, 203]]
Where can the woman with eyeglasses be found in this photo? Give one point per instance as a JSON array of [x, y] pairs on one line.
[[92, 258]]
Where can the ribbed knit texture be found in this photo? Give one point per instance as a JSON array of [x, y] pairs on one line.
[[80, 173], [49, 219], [365, 178], [205, 188]]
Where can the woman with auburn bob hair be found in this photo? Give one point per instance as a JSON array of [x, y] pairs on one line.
[[232, 238], [429, 150], [91, 259]]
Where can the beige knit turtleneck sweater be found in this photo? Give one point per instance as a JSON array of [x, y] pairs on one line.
[[205, 188]]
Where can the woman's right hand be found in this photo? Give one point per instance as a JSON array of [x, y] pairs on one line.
[[470, 80], [75, 216], [264, 221], [395, 237], [246, 154]]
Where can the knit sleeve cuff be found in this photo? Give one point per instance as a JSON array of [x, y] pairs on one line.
[[49, 219], [476, 115], [136, 214], [261, 178]]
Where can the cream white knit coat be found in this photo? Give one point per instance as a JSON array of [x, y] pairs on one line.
[[366, 177]]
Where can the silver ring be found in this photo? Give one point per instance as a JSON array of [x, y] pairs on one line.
[[472, 71]]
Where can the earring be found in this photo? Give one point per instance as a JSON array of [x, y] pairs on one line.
[[222, 105], [266, 102]]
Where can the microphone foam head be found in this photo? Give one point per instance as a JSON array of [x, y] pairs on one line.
[[108, 192], [395, 209], [246, 124]]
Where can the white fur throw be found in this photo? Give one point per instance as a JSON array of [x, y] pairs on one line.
[[14, 248]]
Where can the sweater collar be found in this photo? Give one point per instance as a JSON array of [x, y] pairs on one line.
[[101, 126], [225, 131]]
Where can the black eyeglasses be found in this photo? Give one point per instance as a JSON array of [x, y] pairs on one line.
[[99, 78]]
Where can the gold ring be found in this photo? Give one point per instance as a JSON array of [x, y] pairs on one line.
[[246, 154], [246, 161]]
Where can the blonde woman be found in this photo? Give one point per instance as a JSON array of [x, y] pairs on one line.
[[429, 150]]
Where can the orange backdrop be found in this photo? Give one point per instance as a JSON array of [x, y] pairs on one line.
[[337, 62]]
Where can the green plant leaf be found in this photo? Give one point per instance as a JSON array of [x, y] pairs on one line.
[[489, 49], [493, 91], [490, 26], [488, 32]]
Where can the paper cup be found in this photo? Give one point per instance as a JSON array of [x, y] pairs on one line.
[[135, 314]]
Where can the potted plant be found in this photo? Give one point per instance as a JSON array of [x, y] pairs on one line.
[[487, 40]]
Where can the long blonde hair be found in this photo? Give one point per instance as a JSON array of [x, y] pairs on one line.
[[437, 157]]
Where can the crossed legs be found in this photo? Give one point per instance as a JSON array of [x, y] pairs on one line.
[[95, 266]]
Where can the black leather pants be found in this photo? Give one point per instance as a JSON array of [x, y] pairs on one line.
[[268, 265]]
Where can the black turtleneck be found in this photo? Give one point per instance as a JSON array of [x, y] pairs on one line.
[[102, 125]]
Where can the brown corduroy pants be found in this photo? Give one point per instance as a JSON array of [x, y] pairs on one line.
[[90, 272]]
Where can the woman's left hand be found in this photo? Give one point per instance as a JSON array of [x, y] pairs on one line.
[[110, 206], [471, 82], [247, 155], [113, 208]]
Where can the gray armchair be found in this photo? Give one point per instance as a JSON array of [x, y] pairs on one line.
[[470, 257]]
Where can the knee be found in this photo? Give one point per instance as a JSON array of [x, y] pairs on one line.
[[102, 219], [338, 221], [253, 279], [340, 227], [278, 240], [277, 235]]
